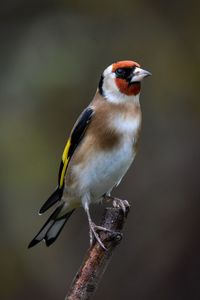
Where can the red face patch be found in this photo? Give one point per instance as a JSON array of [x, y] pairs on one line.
[[127, 89], [124, 64], [122, 84]]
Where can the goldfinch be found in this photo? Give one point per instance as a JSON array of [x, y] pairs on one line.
[[101, 147]]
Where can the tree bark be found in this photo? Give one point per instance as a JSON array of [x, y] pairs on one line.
[[97, 259]]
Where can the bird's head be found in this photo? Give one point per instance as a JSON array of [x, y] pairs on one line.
[[121, 81]]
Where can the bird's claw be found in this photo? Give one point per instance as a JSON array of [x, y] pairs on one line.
[[122, 204], [95, 236]]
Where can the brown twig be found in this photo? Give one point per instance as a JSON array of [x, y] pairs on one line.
[[96, 261]]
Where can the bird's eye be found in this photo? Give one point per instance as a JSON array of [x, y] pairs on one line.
[[120, 72]]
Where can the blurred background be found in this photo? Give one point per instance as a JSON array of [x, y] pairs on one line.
[[51, 56]]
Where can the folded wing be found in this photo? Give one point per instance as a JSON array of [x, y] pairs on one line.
[[76, 136]]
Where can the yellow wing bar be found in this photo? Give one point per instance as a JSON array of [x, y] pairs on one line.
[[65, 161], [72, 143]]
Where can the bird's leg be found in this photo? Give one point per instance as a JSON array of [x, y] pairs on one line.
[[118, 203], [93, 229]]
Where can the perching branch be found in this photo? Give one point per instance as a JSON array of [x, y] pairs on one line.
[[97, 259]]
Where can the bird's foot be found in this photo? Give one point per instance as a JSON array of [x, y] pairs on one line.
[[118, 203], [123, 204], [95, 236]]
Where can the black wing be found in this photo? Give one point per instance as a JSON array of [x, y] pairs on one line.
[[72, 143]]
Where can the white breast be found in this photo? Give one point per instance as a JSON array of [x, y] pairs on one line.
[[106, 168], [126, 125]]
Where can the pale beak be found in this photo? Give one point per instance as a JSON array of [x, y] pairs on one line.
[[139, 74]]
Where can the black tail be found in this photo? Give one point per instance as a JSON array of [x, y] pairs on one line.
[[55, 197], [52, 228]]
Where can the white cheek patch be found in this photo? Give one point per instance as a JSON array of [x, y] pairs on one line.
[[111, 91], [107, 71]]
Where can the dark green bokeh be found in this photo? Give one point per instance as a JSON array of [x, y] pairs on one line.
[[52, 55]]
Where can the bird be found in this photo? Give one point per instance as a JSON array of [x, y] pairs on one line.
[[101, 147]]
